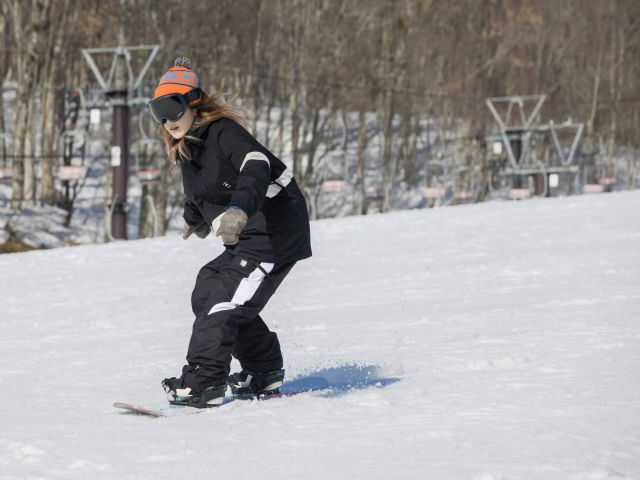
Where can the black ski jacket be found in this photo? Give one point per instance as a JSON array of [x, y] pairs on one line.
[[228, 166]]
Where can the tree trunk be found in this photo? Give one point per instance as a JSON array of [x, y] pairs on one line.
[[52, 93], [30, 59], [387, 166], [361, 168], [29, 187]]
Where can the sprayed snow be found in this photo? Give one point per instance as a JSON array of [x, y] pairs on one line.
[[498, 341]]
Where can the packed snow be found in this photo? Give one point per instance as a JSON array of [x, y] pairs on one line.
[[496, 341]]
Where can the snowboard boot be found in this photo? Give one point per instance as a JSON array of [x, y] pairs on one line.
[[247, 383], [178, 394]]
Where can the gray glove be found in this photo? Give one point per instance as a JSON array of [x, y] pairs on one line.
[[231, 224], [201, 230]]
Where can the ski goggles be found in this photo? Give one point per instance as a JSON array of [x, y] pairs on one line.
[[170, 108]]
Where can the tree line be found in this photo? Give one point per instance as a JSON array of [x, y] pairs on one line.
[[400, 59]]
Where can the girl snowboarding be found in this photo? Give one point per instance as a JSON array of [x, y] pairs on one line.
[[238, 189]]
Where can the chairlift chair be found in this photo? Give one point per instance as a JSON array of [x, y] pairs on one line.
[[147, 172], [149, 176], [333, 186], [71, 172], [6, 175], [433, 193], [595, 179], [374, 192]]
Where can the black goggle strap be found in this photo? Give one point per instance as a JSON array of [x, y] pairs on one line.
[[193, 94]]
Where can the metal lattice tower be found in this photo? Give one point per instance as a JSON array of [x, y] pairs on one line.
[[123, 89]]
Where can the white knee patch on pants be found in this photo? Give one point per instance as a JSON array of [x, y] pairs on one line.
[[246, 289]]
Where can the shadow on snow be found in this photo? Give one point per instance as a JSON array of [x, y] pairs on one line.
[[344, 379]]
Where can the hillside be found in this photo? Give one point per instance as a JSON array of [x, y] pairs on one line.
[[482, 342]]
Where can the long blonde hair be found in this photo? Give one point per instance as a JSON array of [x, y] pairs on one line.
[[209, 109]]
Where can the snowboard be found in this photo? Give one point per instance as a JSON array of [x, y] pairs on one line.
[[288, 389]]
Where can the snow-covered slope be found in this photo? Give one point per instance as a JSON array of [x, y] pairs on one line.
[[504, 339]]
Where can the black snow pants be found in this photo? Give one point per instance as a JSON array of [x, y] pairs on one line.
[[229, 294]]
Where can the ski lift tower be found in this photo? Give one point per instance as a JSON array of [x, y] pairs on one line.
[[519, 131], [515, 124], [122, 88]]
